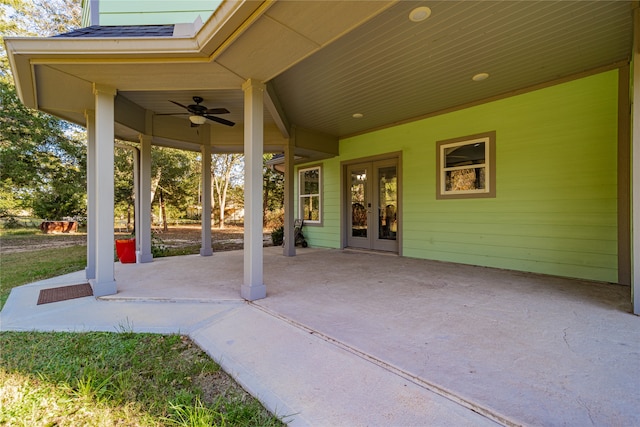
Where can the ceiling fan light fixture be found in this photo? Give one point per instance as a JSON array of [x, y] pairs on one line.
[[198, 120]]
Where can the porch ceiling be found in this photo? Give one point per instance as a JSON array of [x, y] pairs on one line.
[[326, 60], [391, 69]]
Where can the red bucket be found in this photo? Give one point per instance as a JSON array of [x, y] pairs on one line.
[[126, 250]]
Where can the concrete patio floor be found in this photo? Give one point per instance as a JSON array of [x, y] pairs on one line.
[[357, 338]]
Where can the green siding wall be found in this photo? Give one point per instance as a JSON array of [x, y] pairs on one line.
[[326, 235], [146, 12], [556, 206]]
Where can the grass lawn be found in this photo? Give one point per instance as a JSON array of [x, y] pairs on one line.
[[108, 379], [105, 379], [20, 268]]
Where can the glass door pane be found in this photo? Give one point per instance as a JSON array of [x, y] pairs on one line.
[[359, 203], [372, 204], [387, 203]]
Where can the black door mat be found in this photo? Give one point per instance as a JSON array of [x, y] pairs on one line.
[[64, 293]]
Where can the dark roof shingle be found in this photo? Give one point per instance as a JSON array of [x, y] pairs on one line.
[[121, 31]]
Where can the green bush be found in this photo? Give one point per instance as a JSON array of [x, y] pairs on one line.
[[158, 247], [11, 223], [277, 236]]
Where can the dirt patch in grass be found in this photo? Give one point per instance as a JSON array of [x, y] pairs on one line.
[[189, 236], [182, 240], [176, 237], [27, 243]]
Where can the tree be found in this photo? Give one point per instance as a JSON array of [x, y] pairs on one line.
[[175, 180], [42, 157], [226, 169], [235, 200], [124, 197], [273, 199], [39, 17]]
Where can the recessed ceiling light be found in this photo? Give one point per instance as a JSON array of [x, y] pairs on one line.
[[419, 14], [357, 115], [480, 77]]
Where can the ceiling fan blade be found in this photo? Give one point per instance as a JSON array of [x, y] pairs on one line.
[[180, 105], [217, 111], [219, 120]]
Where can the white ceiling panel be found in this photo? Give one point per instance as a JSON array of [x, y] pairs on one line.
[[303, 17], [265, 50], [392, 69], [154, 75]]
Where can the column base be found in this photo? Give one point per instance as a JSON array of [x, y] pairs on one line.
[[142, 258], [289, 250], [206, 251], [90, 273], [101, 289], [252, 293]]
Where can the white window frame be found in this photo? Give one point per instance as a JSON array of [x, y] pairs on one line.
[[302, 197], [489, 166]]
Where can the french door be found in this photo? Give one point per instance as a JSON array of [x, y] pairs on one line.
[[372, 205]]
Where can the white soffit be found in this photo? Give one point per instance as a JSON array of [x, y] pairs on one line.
[[154, 75], [264, 50], [290, 31], [56, 97], [393, 70], [323, 21]]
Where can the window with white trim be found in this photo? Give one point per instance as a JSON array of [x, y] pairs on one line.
[[310, 195], [466, 167]]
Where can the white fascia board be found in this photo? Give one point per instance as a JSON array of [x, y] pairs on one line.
[[23, 78], [95, 48], [229, 22], [188, 30], [216, 31]]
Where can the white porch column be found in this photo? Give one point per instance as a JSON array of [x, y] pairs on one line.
[[253, 287], [136, 195], [635, 170], [104, 282], [635, 185], [289, 199], [90, 117], [143, 204], [205, 248]]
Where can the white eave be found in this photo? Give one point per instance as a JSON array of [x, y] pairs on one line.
[[324, 61], [25, 53]]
